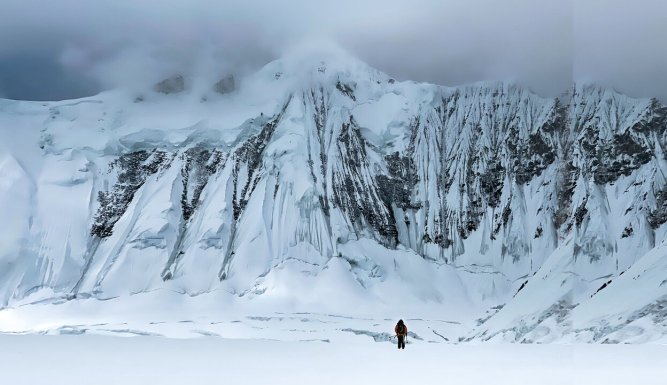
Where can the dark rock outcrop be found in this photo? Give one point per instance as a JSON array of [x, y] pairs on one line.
[[171, 85]]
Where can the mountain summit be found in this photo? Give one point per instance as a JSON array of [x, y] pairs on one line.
[[320, 177]]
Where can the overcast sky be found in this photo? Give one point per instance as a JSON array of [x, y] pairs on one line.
[[63, 49]]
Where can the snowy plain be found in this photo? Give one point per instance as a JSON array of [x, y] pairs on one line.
[[162, 338], [104, 360]]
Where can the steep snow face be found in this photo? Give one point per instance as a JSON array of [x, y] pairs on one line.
[[318, 171], [619, 152]]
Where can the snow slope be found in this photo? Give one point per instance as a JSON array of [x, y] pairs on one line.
[[321, 183]]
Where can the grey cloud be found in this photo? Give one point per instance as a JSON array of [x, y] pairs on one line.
[[83, 47], [622, 44]]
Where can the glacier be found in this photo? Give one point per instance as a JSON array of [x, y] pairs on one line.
[[319, 184]]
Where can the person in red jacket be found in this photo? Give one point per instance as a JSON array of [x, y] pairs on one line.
[[401, 332]]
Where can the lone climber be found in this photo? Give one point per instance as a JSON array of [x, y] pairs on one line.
[[401, 332]]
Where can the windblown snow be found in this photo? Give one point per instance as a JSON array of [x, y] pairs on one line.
[[321, 186]]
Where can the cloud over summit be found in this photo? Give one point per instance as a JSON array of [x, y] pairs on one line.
[[83, 47]]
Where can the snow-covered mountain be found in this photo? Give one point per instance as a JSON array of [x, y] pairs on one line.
[[320, 181]]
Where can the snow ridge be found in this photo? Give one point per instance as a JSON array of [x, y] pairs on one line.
[[319, 170]]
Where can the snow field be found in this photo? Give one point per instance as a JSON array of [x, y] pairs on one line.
[[56, 360]]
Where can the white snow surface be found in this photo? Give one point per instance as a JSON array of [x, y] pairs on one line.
[[28, 360]]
